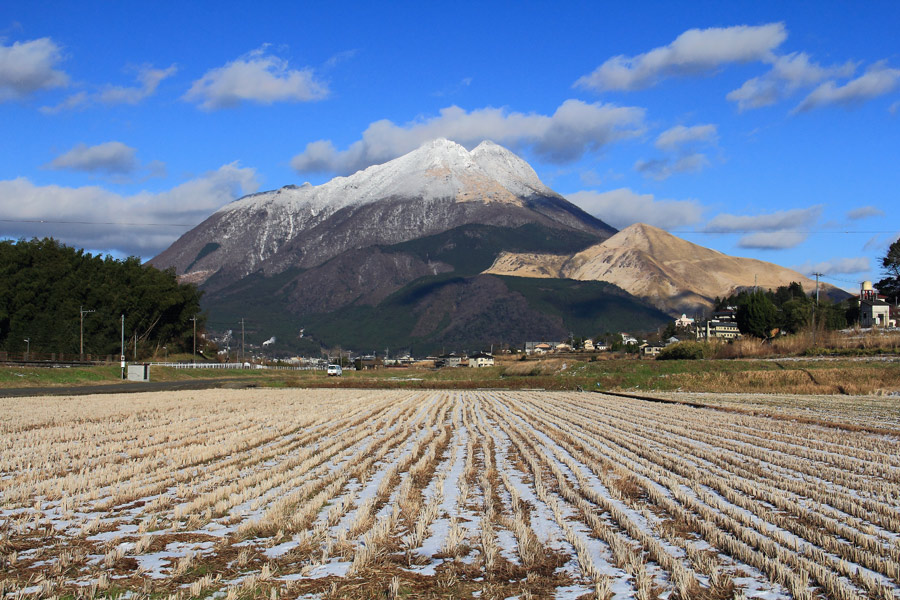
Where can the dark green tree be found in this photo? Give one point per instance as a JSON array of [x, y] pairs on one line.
[[44, 284], [890, 285], [796, 314], [758, 316]]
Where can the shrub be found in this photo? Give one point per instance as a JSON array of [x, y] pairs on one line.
[[684, 351]]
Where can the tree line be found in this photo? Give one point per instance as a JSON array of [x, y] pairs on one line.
[[44, 285]]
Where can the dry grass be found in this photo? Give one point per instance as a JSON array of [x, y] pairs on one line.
[[851, 342]]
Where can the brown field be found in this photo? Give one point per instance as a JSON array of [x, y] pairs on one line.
[[304, 493]]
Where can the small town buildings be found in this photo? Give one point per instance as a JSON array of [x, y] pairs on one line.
[[481, 359], [588, 345]]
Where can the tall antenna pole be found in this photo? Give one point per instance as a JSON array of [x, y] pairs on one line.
[[242, 340], [82, 312], [816, 310]]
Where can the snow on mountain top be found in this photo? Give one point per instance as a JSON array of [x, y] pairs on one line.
[[437, 169]]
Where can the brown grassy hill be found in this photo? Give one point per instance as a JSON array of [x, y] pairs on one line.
[[673, 274]]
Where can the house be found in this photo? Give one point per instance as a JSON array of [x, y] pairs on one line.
[[448, 360], [672, 340], [628, 339], [601, 347], [367, 362], [874, 311], [537, 347], [562, 347], [588, 345], [481, 359], [651, 349]]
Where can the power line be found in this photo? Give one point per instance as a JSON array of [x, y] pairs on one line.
[[839, 279]]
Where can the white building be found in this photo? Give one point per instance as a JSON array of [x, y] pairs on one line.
[[873, 310], [481, 359], [683, 322]]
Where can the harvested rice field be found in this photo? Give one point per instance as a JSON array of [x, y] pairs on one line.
[[441, 494]]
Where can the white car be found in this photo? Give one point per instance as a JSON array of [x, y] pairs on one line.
[[334, 371]]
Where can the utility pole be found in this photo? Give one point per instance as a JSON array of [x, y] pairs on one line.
[[83, 312], [816, 309], [242, 340], [27, 347], [194, 355], [122, 357]]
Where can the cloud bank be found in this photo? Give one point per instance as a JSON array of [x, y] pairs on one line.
[[27, 67], [573, 130], [255, 77], [694, 51], [835, 266], [109, 157], [142, 224], [623, 207]]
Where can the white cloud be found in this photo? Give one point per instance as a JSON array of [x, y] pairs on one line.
[[864, 212], [835, 266], [663, 168], [575, 128], [92, 217], [694, 51], [109, 157], [780, 220], [677, 137], [148, 77], [788, 74], [255, 77], [772, 240], [26, 67], [778, 230], [879, 79], [623, 207]]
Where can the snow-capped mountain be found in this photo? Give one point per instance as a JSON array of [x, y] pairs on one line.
[[435, 188]]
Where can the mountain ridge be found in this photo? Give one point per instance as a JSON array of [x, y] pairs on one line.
[[672, 273]]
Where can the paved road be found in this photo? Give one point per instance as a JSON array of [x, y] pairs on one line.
[[127, 387]]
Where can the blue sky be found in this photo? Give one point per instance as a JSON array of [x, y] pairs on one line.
[[764, 129]]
